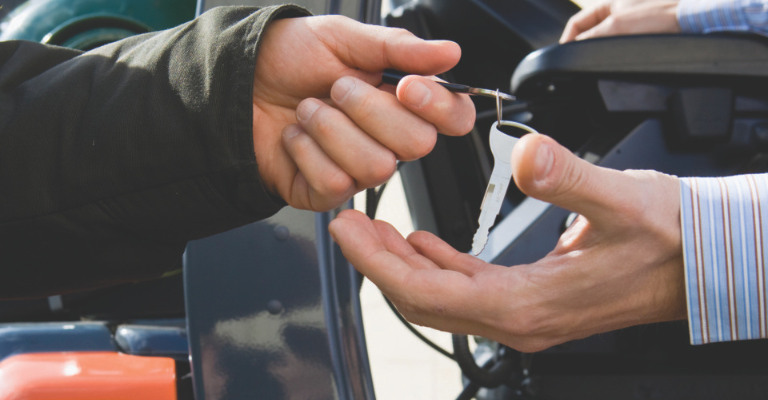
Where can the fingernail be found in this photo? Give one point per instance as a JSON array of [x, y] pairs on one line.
[[306, 109], [291, 131], [342, 88], [417, 94], [545, 158]]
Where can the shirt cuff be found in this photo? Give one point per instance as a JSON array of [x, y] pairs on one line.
[[723, 227], [704, 16]]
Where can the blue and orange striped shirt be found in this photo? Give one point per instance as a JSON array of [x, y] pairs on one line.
[[724, 240], [704, 16]]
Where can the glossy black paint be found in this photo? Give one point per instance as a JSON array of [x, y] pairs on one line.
[[240, 348], [153, 341]]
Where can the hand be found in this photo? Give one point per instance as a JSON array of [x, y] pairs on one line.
[[619, 264], [321, 72], [623, 17]]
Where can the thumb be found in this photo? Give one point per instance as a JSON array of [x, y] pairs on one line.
[[374, 48], [547, 171]]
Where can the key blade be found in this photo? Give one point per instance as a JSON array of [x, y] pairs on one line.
[[481, 236], [489, 209], [478, 243]]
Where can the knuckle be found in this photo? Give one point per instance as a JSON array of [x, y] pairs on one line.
[[523, 325], [421, 143], [462, 117], [392, 38], [426, 142], [398, 34], [380, 171], [573, 177], [366, 108], [335, 22], [322, 122], [321, 205], [336, 185]]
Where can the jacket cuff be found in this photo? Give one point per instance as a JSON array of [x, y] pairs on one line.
[[251, 197]]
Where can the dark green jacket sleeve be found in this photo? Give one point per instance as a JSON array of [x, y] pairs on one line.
[[111, 160]]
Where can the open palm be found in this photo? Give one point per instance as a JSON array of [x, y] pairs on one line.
[[619, 264]]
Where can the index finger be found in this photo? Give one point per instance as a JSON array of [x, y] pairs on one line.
[[361, 245], [452, 114]]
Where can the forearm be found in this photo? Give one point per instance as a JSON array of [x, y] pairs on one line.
[[704, 16], [723, 223], [111, 160]]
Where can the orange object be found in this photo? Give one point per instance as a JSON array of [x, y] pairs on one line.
[[87, 376]]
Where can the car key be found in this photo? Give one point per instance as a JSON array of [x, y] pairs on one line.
[[501, 148]]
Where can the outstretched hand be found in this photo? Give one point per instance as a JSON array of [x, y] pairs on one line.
[[618, 265], [322, 128], [622, 17]]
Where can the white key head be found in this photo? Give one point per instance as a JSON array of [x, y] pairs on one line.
[[501, 145]]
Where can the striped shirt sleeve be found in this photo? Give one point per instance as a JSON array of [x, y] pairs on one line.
[[723, 229], [704, 16]]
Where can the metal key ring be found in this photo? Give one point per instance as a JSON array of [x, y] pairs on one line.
[[501, 122], [498, 106], [519, 126]]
